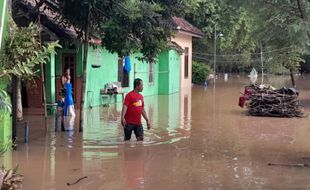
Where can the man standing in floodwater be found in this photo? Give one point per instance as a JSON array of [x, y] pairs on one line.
[[132, 110]]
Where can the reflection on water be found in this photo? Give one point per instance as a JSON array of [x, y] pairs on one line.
[[201, 140], [169, 115]]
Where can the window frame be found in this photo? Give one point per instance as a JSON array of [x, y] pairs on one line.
[[122, 76], [151, 73], [186, 63]]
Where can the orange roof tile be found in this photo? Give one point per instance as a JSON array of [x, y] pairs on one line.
[[182, 25]]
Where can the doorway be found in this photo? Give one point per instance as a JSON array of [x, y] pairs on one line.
[[69, 61]]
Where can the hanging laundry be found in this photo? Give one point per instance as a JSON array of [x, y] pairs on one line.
[[127, 65]]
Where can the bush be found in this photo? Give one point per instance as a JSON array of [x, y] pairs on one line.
[[200, 72]]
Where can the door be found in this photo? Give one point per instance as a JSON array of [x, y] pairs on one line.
[[69, 61]]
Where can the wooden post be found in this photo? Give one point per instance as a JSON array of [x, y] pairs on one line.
[[42, 76], [85, 52], [292, 78]]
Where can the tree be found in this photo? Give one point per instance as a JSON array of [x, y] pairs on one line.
[[281, 28], [284, 31], [234, 22]]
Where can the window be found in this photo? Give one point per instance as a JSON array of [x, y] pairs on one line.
[[120, 69], [122, 77], [151, 72], [186, 63]]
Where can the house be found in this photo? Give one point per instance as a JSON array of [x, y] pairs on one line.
[[183, 36], [170, 74]]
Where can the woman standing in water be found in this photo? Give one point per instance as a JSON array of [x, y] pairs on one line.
[[67, 93], [69, 104], [64, 79]]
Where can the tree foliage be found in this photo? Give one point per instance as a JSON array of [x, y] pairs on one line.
[[20, 56], [281, 28], [22, 52], [126, 25], [139, 28], [284, 26], [236, 25]]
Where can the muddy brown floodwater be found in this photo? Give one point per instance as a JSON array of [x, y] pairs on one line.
[[200, 139]]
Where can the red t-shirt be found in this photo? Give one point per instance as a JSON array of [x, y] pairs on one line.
[[135, 104]]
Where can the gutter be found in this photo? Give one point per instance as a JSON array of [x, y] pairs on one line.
[[2, 21]]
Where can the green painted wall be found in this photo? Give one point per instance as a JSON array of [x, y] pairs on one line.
[[174, 71], [5, 119], [163, 73], [169, 72], [142, 72], [79, 60], [108, 72], [98, 77]]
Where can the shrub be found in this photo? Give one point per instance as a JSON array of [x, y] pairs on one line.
[[200, 72]]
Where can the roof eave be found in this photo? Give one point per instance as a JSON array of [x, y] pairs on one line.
[[189, 33]]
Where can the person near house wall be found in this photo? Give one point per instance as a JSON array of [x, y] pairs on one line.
[[133, 109], [66, 84], [64, 79], [60, 112], [69, 105]]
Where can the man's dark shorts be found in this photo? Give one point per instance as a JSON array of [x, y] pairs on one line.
[[138, 129]]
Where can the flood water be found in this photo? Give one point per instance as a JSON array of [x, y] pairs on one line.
[[200, 139]]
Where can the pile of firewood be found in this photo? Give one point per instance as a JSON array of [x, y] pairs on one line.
[[271, 102], [10, 179]]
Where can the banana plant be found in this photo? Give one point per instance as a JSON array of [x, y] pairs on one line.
[[22, 54]]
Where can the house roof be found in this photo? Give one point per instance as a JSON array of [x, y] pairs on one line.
[[182, 25], [54, 25]]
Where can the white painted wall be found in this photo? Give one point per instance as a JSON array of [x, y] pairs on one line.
[[184, 40]]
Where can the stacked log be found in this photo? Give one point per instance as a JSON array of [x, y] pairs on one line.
[[274, 102], [10, 179]]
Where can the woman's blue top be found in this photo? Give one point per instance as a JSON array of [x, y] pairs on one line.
[[68, 98]]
